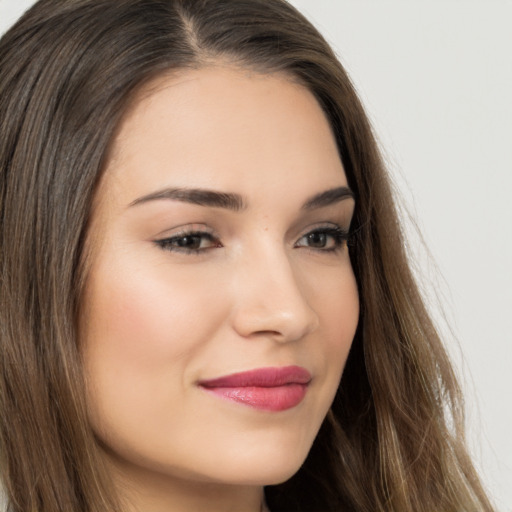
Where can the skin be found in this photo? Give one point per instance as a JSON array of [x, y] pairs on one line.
[[258, 293]]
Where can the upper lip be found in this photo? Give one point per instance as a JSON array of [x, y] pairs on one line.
[[261, 377]]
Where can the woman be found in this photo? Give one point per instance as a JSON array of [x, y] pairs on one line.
[[198, 242]]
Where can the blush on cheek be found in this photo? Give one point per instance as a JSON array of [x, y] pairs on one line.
[[339, 307], [131, 326], [150, 319]]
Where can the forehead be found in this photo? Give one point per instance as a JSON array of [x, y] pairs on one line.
[[226, 128]]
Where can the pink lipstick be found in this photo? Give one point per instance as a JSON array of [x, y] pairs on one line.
[[270, 389]]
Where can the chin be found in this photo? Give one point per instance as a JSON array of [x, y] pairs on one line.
[[269, 465], [274, 473]]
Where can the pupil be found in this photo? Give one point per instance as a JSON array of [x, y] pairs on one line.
[[318, 239], [190, 242]]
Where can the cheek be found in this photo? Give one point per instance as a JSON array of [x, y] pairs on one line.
[[342, 315], [338, 310], [141, 332], [142, 314], [335, 299]]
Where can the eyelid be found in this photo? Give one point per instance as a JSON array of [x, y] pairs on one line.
[[326, 226], [185, 229]]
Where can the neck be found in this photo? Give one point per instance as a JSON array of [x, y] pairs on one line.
[[142, 491]]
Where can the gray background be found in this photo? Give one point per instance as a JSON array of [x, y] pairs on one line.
[[436, 78]]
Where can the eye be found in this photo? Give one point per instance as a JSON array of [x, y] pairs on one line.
[[189, 242], [328, 239]]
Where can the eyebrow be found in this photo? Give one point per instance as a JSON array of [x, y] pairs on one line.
[[199, 196], [235, 202], [327, 198]]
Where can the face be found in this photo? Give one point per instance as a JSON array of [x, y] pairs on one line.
[[221, 303]]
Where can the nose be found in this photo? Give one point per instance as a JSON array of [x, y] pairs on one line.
[[271, 301]]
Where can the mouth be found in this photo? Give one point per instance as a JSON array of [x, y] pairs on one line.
[[270, 389]]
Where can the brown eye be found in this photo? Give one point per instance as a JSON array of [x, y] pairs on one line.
[[317, 240], [192, 242], [189, 242], [324, 239]]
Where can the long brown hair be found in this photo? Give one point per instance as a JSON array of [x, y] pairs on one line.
[[393, 439]]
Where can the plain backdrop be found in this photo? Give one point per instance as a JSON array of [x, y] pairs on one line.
[[436, 78]]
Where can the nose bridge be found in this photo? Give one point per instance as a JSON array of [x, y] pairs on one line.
[[270, 299]]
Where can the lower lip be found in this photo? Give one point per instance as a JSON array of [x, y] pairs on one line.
[[277, 398]]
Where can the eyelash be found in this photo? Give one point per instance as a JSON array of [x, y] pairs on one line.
[[340, 237], [172, 243]]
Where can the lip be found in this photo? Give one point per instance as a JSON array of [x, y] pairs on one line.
[[271, 389]]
